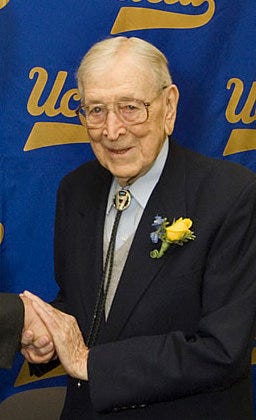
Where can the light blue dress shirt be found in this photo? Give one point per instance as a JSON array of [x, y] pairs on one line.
[[140, 191]]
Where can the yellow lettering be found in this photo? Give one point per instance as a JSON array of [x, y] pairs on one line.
[[49, 107], [253, 357], [64, 103], [46, 134], [1, 232], [50, 103], [136, 18], [182, 2], [32, 106], [24, 376], [240, 140], [3, 3], [245, 114]]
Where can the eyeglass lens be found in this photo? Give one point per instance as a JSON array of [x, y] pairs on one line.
[[130, 112]]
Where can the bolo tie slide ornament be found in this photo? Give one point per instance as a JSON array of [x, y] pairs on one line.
[[122, 200]]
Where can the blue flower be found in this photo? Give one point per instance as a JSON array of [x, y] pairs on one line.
[[154, 237], [157, 221]]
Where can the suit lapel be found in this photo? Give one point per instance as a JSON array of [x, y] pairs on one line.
[[167, 200], [91, 213]]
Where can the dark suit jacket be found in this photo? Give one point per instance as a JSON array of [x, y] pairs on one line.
[[179, 335], [11, 323]]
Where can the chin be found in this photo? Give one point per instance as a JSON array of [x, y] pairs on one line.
[[122, 174]]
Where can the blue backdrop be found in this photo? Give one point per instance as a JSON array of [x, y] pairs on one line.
[[211, 49]]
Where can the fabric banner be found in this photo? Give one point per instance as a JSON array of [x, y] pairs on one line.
[[210, 45]]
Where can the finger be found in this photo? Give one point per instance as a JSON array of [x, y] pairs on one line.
[[42, 341], [43, 345], [43, 351], [25, 353], [27, 338], [49, 316], [34, 298], [32, 356]]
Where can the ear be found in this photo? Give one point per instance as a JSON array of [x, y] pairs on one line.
[[171, 98]]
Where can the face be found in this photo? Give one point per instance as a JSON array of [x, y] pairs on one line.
[[128, 151]]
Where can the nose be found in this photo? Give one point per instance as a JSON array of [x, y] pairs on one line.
[[114, 127]]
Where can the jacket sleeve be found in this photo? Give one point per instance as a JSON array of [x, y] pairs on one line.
[[150, 369], [40, 369], [11, 324]]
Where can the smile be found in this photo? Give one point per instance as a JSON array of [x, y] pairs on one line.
[[119, 151]]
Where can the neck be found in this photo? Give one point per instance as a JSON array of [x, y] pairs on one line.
[[125, 182]]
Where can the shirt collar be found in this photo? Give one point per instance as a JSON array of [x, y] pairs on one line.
[[142, 188]]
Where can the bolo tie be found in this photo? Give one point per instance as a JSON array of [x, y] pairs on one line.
[[121, 202]]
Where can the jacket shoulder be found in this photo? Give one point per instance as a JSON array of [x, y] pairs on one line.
[[215, 170], [90, 175]]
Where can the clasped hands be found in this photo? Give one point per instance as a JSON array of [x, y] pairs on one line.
[[49, 333]]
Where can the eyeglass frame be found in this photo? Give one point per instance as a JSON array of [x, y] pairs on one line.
[[147, 104]]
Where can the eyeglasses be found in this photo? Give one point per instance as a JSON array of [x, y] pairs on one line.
[[129, 111]]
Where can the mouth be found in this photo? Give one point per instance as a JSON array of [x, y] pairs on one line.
[[119, 152]]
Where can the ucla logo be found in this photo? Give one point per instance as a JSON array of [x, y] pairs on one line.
[[49, 107], [241, 110], [3, 3], [136, 18], [45, 134]]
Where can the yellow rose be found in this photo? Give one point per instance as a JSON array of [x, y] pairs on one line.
[[178, 229]]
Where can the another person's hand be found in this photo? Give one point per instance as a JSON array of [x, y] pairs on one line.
[[67, 337], [37, 344]]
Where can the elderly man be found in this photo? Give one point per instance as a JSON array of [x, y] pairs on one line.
[[165, 331], [15, 312]]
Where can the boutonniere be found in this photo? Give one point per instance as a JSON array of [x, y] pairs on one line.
[[177, 233]]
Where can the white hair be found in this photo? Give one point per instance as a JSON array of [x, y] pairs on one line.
[[109, 48]]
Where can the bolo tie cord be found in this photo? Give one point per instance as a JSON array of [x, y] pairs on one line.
[[121, 202], [104, 285]]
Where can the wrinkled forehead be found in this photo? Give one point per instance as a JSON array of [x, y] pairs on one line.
[[119, 74]]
